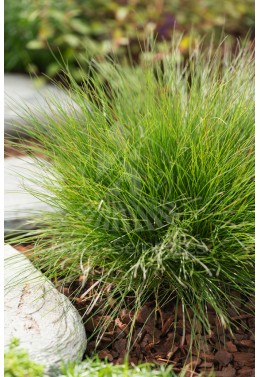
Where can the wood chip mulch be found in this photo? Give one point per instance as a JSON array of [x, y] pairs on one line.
[[156, 340]]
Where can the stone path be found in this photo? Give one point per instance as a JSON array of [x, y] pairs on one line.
[[21, 93], [20, 205]]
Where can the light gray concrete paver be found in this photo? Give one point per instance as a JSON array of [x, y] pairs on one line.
[[19, 204]]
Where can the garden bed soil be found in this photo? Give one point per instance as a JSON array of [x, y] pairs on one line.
[[155, 340], [11, 150]]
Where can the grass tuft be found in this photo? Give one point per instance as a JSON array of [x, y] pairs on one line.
[[153, 182]]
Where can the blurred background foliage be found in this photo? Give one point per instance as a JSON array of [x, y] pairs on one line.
[[77, 30]]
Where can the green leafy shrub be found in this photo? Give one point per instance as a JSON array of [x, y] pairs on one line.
[[83, 29], [18, 364], [153, 182]]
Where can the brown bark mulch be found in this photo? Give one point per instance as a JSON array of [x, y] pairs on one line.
[[155, 339]]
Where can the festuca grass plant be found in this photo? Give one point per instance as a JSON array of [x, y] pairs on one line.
[[151, 177]]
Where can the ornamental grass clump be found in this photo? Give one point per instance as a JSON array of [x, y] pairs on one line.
[[152, 183]]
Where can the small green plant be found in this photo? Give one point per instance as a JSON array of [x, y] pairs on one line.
[[96, 368], [18, 364], [153, 184]]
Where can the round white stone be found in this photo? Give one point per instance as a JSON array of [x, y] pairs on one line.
[[44, 320]]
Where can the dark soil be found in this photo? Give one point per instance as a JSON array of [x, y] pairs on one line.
[[12, 150], [156, 340]]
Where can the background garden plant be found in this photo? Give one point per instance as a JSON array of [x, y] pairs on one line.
[[82, 30], [153, 184]]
